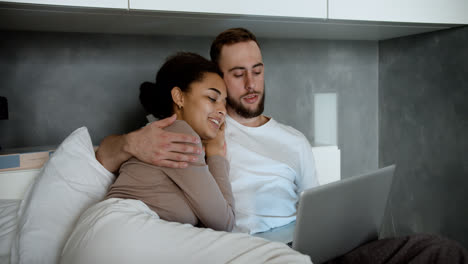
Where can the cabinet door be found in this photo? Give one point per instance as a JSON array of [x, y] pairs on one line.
[[291, 8], [78, 3], [419, 11]]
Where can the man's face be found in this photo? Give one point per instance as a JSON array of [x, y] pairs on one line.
[[242, 66]]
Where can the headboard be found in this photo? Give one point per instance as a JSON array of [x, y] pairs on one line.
[[18, 171], [13, 184]]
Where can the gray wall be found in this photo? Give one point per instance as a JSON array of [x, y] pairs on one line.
[[298, 69], [57, 82], [423, 94]]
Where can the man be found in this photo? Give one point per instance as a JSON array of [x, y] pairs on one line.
[[270, 162]]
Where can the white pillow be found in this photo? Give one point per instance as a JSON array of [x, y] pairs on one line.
[[70, 182]]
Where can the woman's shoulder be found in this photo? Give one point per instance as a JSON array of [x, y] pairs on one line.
[[180, 126]]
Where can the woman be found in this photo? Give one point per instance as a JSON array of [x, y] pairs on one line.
[[191, 87]]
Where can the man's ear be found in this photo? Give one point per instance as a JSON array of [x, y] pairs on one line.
[[178, 97]]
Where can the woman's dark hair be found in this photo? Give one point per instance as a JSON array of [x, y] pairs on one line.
[[179, 70]]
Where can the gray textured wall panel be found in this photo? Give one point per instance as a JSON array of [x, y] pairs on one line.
[[296, 70], [423, 94], [57, 82]]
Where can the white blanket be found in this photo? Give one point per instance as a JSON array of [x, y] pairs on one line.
[[127, 231]]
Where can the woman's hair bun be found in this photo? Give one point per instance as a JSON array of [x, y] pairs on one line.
[[147, 95], [179, 70]]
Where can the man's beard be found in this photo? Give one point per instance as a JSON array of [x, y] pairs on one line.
[[244, 111]]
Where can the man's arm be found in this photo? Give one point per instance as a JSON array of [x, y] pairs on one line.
[[150, 144]]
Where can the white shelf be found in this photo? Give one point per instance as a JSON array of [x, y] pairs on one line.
[[414, 11], [290, 8], [299, 19], [118, 4]]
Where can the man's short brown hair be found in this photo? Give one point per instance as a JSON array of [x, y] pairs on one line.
[[228, 37]]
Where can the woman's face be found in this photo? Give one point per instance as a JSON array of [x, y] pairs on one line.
[[204, 105]]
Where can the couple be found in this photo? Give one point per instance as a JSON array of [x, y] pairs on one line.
[[270, 164], [146, 211]]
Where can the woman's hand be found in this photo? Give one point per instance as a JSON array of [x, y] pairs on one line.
[[217, 145]]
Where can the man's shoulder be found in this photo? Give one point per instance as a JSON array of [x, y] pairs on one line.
[[276, 132], [288, 131]]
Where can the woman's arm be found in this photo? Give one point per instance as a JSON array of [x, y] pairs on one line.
[[219, 167], [206, 186], [150, 144]]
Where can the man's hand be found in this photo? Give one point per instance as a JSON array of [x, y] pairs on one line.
[[150, 144], [217, 145], [153, 145]]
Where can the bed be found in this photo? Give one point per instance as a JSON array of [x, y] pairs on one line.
[[41, 206]]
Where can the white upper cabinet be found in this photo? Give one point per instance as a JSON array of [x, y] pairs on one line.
[[417, 11], [290, 8], [120, 4], [306, 19]]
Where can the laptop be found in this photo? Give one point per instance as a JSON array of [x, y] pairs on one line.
[[335, 218]]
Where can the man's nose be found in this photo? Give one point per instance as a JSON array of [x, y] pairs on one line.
[[249, 82]]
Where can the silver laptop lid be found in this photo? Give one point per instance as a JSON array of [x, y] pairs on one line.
[[335, 218]]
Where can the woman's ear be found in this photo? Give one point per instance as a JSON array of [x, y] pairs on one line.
[[178, 97]]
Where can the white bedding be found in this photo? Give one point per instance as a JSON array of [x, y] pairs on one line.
[[8, 224], [176, 241], [168, 242], [37, 229], [127, 231]]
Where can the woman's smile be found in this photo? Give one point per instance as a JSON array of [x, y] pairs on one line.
[[204, 105], [216, 122]]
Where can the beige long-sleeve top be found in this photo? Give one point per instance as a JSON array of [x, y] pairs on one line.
[[199, 194]]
